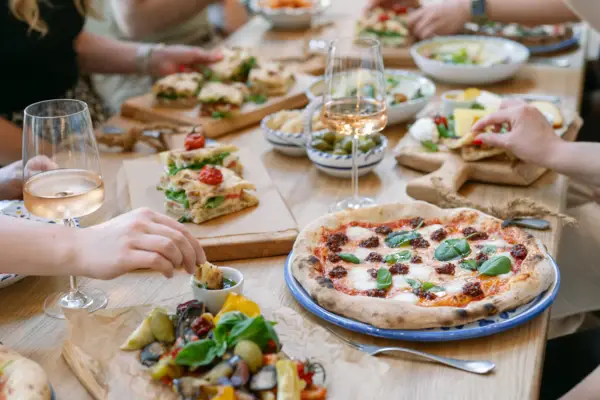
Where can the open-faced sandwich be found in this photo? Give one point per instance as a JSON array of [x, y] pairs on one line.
[[180, 90], [271, 79], [386, 25], [235, 65], [233, 355], [221, 100], [21, 378]]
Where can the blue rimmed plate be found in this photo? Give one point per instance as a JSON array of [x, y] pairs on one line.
[[16, 209], [555, 47], [484, 327]]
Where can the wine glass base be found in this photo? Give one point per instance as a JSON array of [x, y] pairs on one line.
[[352, 203], [83, 299]]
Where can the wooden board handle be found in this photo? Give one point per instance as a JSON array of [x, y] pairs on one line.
[[454, 172]]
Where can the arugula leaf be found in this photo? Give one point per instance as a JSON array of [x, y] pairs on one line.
[[217, 159], [198, 353], [469, 264], [214, 202], [497, 265], [178, 196], [403, 255], [431, 287], [452, 249], [351, 258], [430, 146], [413, 283], [384, 278], [258, 98], [397, 239], [489, 249], [220, 114]]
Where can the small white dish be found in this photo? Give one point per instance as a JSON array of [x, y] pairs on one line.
[[214, 299], [512, 54], [290, 18], [449, 102], [290, 144]]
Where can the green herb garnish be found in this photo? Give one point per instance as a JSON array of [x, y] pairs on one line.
[[384, 278], [431, 287], [214, 160], [452, 249], [471, 265], [184, 219], [220, 114], [497, 265], [258, 98], [351, 258], [430, 146], [418, 94], [489, 249], [179, 196], [404, 255], [228, 283], [414, 283], [214, 202], [477, 106], [397, 239]]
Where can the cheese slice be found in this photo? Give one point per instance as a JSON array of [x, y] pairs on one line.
[[356, 233], [464, 119], [360, 279]]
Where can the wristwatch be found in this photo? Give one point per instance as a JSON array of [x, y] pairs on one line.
[[479, 11], [143, 55]]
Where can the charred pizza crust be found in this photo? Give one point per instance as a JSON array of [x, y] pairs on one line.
[[535, 274]]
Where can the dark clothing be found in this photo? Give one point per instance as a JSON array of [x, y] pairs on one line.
[[35, 67]]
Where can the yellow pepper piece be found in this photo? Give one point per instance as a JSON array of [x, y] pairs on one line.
[[237, 302], [225, 393], [288, 381]]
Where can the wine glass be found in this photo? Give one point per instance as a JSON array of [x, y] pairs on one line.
[[61, 171], [354, 100]]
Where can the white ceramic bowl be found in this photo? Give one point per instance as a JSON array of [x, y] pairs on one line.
[[290, 18], [291, 144], [516, 55], [340, 166], [409, 83], [214, 299]]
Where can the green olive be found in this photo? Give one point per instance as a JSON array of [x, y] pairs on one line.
[[329, 137], [318, 135], [347, 145], [366, 144], [321, 145], [249, 352], [376, 138]]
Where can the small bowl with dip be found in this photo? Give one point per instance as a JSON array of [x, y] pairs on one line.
[[211, 285]]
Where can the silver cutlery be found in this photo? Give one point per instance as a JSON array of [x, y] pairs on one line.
[[554, 62], [531, 223], [474, 366]]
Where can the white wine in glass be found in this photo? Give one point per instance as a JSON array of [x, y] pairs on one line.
[[354, 100], [62, 180]]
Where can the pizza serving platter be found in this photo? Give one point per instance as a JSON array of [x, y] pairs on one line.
[[484, 327]]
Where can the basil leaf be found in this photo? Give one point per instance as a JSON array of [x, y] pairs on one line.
[[452, 249], [384, 278], [413, 283], [431, 287], [197, 354], [442, 130], [214, 202], [469, 264], [430, 146], [489, 249], [254, 329], [227, 283], [497, 265], [404, 255], [270, 334], [220, 114], [396, 239], [351, 258], [226, 324], [179, 196], [214, 160], [451, 127], [446, 132]]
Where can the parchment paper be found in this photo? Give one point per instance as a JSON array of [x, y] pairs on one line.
[[92, 352], [271, 214]]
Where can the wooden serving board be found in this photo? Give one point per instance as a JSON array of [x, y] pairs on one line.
[[143, 108], [454, 171], [266, 230]]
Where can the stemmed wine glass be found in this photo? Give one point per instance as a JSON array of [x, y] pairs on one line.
[[354, 99], [61, 171]]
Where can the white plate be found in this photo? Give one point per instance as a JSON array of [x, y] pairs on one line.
[[17, 209]]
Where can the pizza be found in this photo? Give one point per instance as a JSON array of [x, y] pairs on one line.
[[22, 378], [530, 36], [416, 266]]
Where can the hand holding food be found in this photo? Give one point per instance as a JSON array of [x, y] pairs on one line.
[[530, 137], [139, 239], [168, 60]]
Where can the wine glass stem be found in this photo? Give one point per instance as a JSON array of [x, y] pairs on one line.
[[355, 168], [74, 290]]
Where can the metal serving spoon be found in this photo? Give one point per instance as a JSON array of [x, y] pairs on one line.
[[474, 366]]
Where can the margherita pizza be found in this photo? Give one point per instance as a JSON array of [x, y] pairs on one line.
[[415, 266]]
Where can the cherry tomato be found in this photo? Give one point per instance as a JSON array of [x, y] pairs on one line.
[[398, 9], [210, 175], [383, 17], [194, 141], [441, 120], [477, 142], [304, 373]]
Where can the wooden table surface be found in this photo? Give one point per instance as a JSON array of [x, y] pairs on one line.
[[518, 353]]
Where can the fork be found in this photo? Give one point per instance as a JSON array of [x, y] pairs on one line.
[[474, 366]]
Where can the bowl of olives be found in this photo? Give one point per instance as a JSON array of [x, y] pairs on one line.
[[332, 153]]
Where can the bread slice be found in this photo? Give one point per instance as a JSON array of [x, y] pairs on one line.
[[551, 112], [464, 119], [199, 215], [222, 155], [178, 90]]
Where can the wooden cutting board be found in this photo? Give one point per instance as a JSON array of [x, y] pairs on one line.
[[454, 171], [143, 108], [268, 229]]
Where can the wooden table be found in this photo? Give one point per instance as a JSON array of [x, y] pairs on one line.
[[518, 353]]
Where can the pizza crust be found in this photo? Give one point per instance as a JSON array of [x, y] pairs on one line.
[[391, 314]]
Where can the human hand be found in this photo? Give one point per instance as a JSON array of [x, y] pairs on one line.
[[446, 18], [530, 136], [171, 59], [138, 239], [392, 3], [11, 176]]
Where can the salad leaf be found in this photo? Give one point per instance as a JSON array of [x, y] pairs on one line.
[[179, 196], [452, 249], [254, 329], [214, 160], [198, 353], [220, 114], [430, 146], [214, 202], [351, 258], [403, 255], [497, 265], [418, 94], [258, 98], [397, 239], [183, 219], [384, 278]]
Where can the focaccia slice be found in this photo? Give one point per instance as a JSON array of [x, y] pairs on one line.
[[271, 79], [221, 100], [195, 201], [222, 155], [475, 153], [180, 90], [235, 65]]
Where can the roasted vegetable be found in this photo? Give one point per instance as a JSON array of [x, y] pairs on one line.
[[140, 337], [288, 382], [237, 302], [209, 276], [151, 353], [225, 393], [223, 369], [187, 313], [189, 387], [251, 353], [161, 325], [241, 375], [265, 379], [166, 367], [245, 395]]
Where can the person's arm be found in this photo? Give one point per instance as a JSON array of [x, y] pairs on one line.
[[102, 55], [12, 142], [530, 12], [140, 18], [578, 160], [589, 388]]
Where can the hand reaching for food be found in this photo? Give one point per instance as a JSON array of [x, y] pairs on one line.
[[139, 239], [394, 3], [172, 59], [446, 18], [11, 176]]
